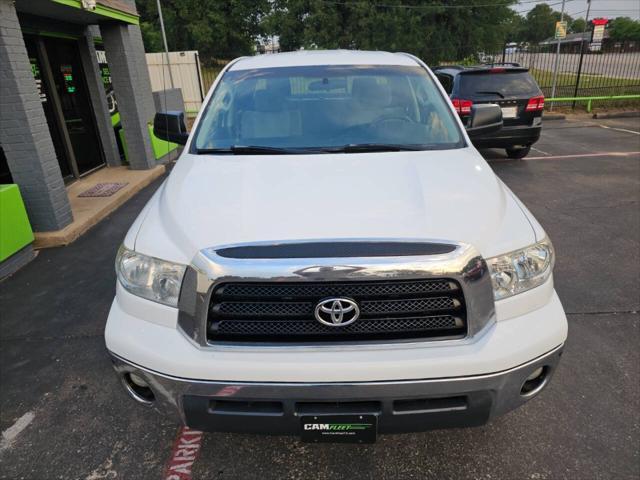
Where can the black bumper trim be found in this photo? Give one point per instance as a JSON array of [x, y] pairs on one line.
[[510, 136]]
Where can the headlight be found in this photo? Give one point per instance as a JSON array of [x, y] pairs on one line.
[[149, 277], [521, 270]]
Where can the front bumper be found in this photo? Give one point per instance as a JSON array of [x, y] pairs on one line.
[[401, 406]]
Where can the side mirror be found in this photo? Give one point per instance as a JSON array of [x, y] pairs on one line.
[[485, 118], [170, 126]]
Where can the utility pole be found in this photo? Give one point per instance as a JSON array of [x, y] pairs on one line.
[[164, 39], [555, 68], [586, 26]]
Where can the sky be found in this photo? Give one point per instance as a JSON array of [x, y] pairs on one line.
[[578, 8]]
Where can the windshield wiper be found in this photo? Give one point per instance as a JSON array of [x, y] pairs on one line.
[[491, 93], [374, 147], [250, 150], [350, 148]]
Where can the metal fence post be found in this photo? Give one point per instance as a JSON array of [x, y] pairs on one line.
[[586, 25], [555, 69]]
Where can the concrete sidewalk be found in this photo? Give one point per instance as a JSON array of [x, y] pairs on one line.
[[88, 211]]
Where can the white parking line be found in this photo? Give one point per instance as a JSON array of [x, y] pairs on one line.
[[540, 151], [581, 155], [620, 129], [10, 434]]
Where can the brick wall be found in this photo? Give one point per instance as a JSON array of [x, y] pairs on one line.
[[125, 54], [24, 133]]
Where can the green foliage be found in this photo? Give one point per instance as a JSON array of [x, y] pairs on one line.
[[578, 25], [428, 29], [541, 23], [216, 28], [434, 30], [624, 29]]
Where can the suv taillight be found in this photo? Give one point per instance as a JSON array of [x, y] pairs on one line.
[[535, 104], [463, 107]]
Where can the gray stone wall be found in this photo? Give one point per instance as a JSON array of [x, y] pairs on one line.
[[97, 96], [24, 133], [125, 55]]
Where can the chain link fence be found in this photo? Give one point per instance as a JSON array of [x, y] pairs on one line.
[[610, 72]]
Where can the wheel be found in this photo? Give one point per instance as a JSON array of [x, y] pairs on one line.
[[518, 152]]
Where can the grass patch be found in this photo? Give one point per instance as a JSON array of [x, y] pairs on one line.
[[590, 85]]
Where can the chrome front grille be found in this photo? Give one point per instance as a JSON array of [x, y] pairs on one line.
[[249, 295], [396, 327], [370, 289], [251, 312]]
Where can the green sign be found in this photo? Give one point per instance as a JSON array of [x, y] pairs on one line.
[[67, 75]]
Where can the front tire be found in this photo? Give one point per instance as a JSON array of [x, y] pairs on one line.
[[517, 153]]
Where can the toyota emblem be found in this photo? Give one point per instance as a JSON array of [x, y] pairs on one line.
[[337, 312]]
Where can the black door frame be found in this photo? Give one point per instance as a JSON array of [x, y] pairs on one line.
[[57, 107]]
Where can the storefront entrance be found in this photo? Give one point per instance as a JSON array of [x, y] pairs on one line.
[[63, 92]]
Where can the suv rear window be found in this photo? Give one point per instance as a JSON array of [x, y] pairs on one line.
[[507, 84]]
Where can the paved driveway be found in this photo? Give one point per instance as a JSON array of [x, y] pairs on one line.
[[64, 415]]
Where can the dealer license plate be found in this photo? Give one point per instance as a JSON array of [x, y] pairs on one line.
[[509, 112], [339, 428]]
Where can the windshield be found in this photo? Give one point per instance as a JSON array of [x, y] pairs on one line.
[[326, 109]]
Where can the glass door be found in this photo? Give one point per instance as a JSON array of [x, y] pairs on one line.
[[48, 104], [70, 85]]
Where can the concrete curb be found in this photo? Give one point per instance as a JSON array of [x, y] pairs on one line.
[[15, 262], [617, 115], [98, 208]]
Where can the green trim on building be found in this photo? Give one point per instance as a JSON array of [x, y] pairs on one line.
[[46, 33], [160, 147], [15, 229], [104, 11], [115, 119]]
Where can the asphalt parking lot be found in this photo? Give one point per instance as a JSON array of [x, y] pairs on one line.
[[64, 415]]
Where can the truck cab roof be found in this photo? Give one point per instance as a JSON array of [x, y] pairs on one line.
[[323, 57]]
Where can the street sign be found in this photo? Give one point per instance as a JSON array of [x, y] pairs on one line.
[[561, 30], [598, 33]]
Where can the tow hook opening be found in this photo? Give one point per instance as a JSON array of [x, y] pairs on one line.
[[138, 388], [535, 382]]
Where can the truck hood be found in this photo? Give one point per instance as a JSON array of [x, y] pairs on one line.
[[212, 200]]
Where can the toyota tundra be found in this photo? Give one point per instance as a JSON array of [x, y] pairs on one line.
[[331, 257]]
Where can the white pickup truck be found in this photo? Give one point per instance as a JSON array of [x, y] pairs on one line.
[[331, 257]]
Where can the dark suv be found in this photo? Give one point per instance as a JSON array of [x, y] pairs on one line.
[[508, 85]]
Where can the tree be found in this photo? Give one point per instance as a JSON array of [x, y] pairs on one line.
[[432, 31], [541, 23], [579, 25], [624, 29], [216, 28], [286, 20], [515, 28]]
